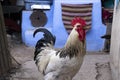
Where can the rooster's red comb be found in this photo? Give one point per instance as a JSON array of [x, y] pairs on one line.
[[78, 20]]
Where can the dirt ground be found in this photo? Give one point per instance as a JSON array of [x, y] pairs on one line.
[[96, 65]]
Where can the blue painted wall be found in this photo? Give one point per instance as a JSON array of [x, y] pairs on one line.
[[94, 42], [55, 25]]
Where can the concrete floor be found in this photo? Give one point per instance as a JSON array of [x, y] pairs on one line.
[[95, 67]]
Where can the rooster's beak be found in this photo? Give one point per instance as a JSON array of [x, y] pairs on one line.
[[86, 27]]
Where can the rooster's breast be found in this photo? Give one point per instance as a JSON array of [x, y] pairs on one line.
[[63, 67]]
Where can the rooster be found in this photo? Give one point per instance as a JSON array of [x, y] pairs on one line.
[[62, 64]]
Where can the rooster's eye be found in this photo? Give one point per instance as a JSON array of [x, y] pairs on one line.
[[78, 26]]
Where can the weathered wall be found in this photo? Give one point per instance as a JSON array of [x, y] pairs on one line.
[[115, 44]]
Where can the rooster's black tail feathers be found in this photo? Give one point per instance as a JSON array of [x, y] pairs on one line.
[[48, 37], [46, 41]]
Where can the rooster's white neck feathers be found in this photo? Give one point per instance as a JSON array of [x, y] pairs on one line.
[[74, 46], [73, 37]]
